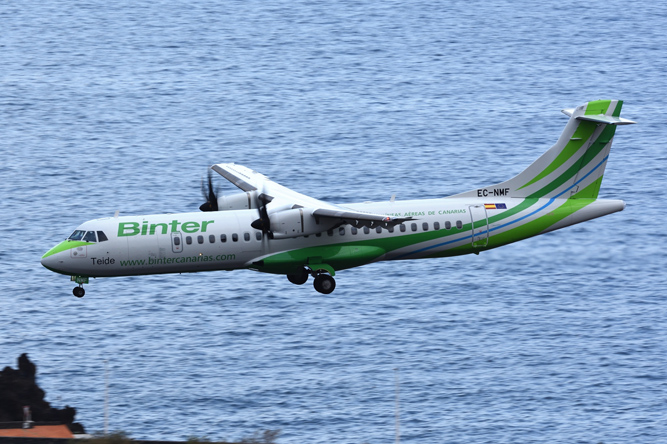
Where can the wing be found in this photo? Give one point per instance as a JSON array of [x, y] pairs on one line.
[[249, 180], [279, 199]]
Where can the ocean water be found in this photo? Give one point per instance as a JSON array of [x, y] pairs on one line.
[[123, 105]]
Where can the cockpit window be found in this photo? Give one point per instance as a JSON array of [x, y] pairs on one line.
[[90, 237], [101, 236], [77, 235]]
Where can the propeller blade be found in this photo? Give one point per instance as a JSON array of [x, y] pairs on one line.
[[211, 199], [264, 221]]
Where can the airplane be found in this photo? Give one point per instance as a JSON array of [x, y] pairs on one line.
[[272, 229]]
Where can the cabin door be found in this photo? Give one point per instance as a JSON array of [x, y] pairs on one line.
[[480, 226], [176, 242]]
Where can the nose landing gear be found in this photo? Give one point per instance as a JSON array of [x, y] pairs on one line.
[[79, 291]]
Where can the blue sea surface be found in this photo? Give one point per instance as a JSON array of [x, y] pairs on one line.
[[123, 105]]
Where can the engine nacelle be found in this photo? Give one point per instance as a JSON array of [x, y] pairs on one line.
[[297, 222], [239, 201]]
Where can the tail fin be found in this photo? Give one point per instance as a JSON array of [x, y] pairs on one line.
[[574, 165]]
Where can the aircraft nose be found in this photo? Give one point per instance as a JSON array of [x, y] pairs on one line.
[[52, 260], [49, 261]]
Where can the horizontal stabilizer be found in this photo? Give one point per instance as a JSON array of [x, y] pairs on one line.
[[600, 118]]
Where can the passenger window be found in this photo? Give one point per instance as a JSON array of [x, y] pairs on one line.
[[188, 240], [436, 226], [211, 238], [258, 235], [448, 225], [402, 228], [353, 230], [330, 232], [223, 238], [390, 229], [90, 237], [177, 241], [459, 224], [378, 230], [246, 237], [367, 230], [425, 226], [200, 239], [341, 231], [318, 235], [413, 226], [235, 237]]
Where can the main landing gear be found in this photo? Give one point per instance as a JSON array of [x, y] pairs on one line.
[[299, 278], [323, 282]]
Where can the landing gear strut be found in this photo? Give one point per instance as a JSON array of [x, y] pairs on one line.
[[79, 291]]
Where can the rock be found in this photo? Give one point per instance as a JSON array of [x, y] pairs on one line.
[[18, 388], [26, 367]]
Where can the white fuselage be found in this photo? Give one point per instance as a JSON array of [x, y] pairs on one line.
[[224, 240]]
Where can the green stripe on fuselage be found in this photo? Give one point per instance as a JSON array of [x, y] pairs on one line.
[[354, 253], [350, 253], [65, 245], [525, 230], [524, 205], [537, 226]]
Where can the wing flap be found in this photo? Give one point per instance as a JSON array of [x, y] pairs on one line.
[[359, 219]]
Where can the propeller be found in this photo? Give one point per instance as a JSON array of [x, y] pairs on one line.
[[264, 222], [211, 200]]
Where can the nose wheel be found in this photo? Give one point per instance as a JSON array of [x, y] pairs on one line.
[[79, 291]]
